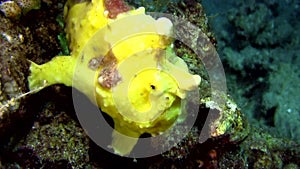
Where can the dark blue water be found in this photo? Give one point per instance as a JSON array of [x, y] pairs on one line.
[[259, 44]]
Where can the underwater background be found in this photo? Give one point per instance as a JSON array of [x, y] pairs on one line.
[[258, 42]]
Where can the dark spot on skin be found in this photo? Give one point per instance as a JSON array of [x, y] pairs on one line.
[[152, 87], [82, 58], [160, 57], [108, 27], [95, 49]]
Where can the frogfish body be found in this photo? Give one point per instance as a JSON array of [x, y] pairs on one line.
[[122, 61]]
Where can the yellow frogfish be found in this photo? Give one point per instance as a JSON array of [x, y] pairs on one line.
[[122, 61]]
